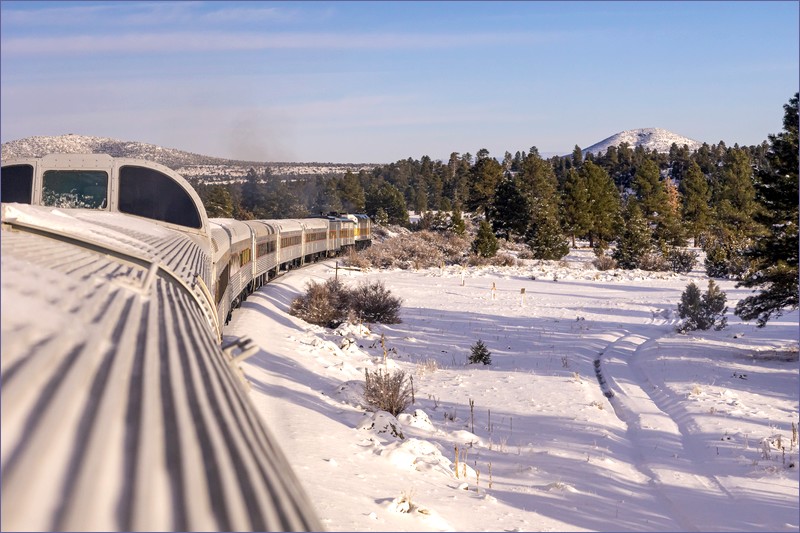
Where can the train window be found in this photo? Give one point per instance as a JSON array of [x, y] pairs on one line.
[[16, 184], [149, 193], [86, 189]]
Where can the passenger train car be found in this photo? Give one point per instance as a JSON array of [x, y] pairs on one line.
[[120, 408]]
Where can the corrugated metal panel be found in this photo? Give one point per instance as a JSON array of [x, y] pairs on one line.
[[119, 410]]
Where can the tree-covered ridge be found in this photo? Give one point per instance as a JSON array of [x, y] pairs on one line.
[[738, 203]]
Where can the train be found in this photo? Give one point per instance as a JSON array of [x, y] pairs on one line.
[[122, 408]]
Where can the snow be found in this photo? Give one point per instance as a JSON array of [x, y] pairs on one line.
[[697, 435], [657, 139], [187, 164]]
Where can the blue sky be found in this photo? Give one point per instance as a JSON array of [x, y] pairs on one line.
[[383, 81]]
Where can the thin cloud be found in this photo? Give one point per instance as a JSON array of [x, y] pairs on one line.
[[141, 14], [225, 41]]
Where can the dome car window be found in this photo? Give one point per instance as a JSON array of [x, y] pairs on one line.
[[84, 189], [16, 184], [149, 193]]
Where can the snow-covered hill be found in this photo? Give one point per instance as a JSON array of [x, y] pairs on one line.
[[656, 139], [188, 164]]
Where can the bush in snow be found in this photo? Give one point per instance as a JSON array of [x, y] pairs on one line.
[[653, 262], [324, 304], [373, 302], [480, 354], [423, 249], [604, 262], [330, 304], [725, 260], [681, 261], [387, 391], [702, 311]]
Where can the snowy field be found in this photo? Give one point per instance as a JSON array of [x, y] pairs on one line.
[[697, 435]]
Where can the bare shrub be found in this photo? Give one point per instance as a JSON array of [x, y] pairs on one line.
[[423, 249], [476, 260], [387, 391], [373, 302], [503, 260], [653, 262], [604, 262], [324, 304]]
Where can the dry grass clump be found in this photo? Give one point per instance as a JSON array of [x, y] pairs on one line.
[[387, 391], [423, 249]]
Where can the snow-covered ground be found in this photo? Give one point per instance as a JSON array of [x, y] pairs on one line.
[[696, 437]]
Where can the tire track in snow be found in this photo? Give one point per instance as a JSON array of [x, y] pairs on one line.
[[668, 445], [619, 393]]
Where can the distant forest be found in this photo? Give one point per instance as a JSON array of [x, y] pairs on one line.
[[728, 199]]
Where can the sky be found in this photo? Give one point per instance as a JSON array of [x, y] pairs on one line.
[[376, 82]]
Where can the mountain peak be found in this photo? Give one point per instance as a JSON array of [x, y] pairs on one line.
[[657, 139]]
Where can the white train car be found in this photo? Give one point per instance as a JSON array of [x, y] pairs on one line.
[[290, 243], [221, 259], [240, 265], [120, 410], [315, 239], [265, 251]]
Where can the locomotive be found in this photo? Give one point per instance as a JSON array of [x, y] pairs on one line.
[[121, 408]]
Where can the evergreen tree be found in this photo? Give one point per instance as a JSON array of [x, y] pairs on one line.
[[351, 193], [735, 194], [775, 254], [735, 207], [702, 311], [485, 176], [696, 201], [485, 243], [604, 204], [575, 205], [649, 190], [577, 157], [327, 199], [544, 235], [457, 224], [218, 202], [636, 238], [391, 200], [479, 353], [510, 210]]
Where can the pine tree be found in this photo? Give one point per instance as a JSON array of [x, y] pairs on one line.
[[485, 243], [544, 235], [575, 205], [775, 254], [696, 201], [218, 202], [604, 204], [510, 210], [485, 176], [387, 197], [702, 311], [479, 353], [636, 238], [351, 193], [457, 224], [734, 227]]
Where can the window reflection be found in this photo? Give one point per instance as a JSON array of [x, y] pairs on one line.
[[86, 189]]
